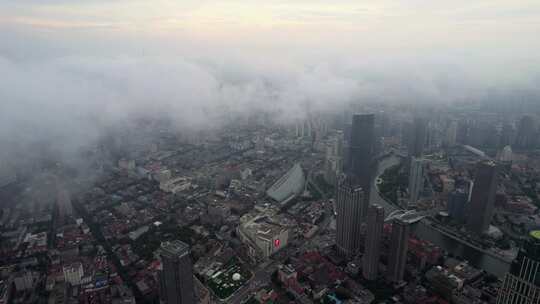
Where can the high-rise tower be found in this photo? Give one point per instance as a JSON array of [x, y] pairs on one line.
[[417, 137], [176, 277], [416, 179], [349, 218], [451, 134], [399, 244], [457, 202], [522, 284], [526, 132], [375, 222], [362, 153], [482, 197], [334, 159]]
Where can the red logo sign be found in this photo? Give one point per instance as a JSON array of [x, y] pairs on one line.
[[277, 243]]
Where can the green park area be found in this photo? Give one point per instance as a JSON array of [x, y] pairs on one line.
[[231, 277]]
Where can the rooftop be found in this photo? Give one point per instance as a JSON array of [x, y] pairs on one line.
[[289, 185], [175, 248], [263, 227]]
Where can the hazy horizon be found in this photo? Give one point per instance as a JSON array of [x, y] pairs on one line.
[[73, 67]]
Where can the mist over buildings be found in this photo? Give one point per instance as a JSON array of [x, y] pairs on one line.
[[68, 77]]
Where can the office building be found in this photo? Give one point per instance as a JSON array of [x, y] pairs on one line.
[[397, 257], [176, 276], [508, 135], [375, 223], [25, 280], [505, 155], [334, 159], [526, 134], [73, 273], [289, 186], [416, 179], [263, 234], [482, 197], [521, 284], [64, 205], [417, 138], [361, 154], [457, 202], [349, 202], [451, 134]]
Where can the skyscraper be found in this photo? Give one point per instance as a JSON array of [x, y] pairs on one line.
[[482, 197], [362, 143], [451, 134], [397, 257], [176, 277], [334, 159], [375, 222], [416, 179], [417, 137], [457, 201], [64, 205], [508, 135], [349, 218], [526, 132], [522, 284]]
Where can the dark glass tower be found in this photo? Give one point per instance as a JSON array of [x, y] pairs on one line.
[[522, 284], [417, 137], [399, 244], [483, 197], [457, 201], [349, 218], [375, 223], [176, 277], [526, 132], [362, 153]]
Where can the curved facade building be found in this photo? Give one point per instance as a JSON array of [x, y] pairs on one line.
[[288, 186]]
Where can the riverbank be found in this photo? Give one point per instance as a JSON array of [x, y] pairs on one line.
[[458, 238], [489, 261]]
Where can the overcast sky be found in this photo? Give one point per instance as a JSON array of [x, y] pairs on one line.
[[68, 66]]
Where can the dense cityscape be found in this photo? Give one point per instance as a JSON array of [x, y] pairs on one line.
[[269, 152], [406, 205]]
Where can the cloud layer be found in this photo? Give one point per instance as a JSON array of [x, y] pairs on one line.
[[71, 70]]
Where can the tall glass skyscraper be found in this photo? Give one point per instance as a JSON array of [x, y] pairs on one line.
[[176, 277], [522, 284], [349, 218], [482, 197], [399, 245], [417, 137], [416, 179], [375, 223], [361, 154]]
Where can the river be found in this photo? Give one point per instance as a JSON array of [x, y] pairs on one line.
[[475, 257]]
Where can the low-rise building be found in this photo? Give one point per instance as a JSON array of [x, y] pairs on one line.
[[443, 281], [73, 273], [262, 234], [176, 185], [24, 280], [135, 234]]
